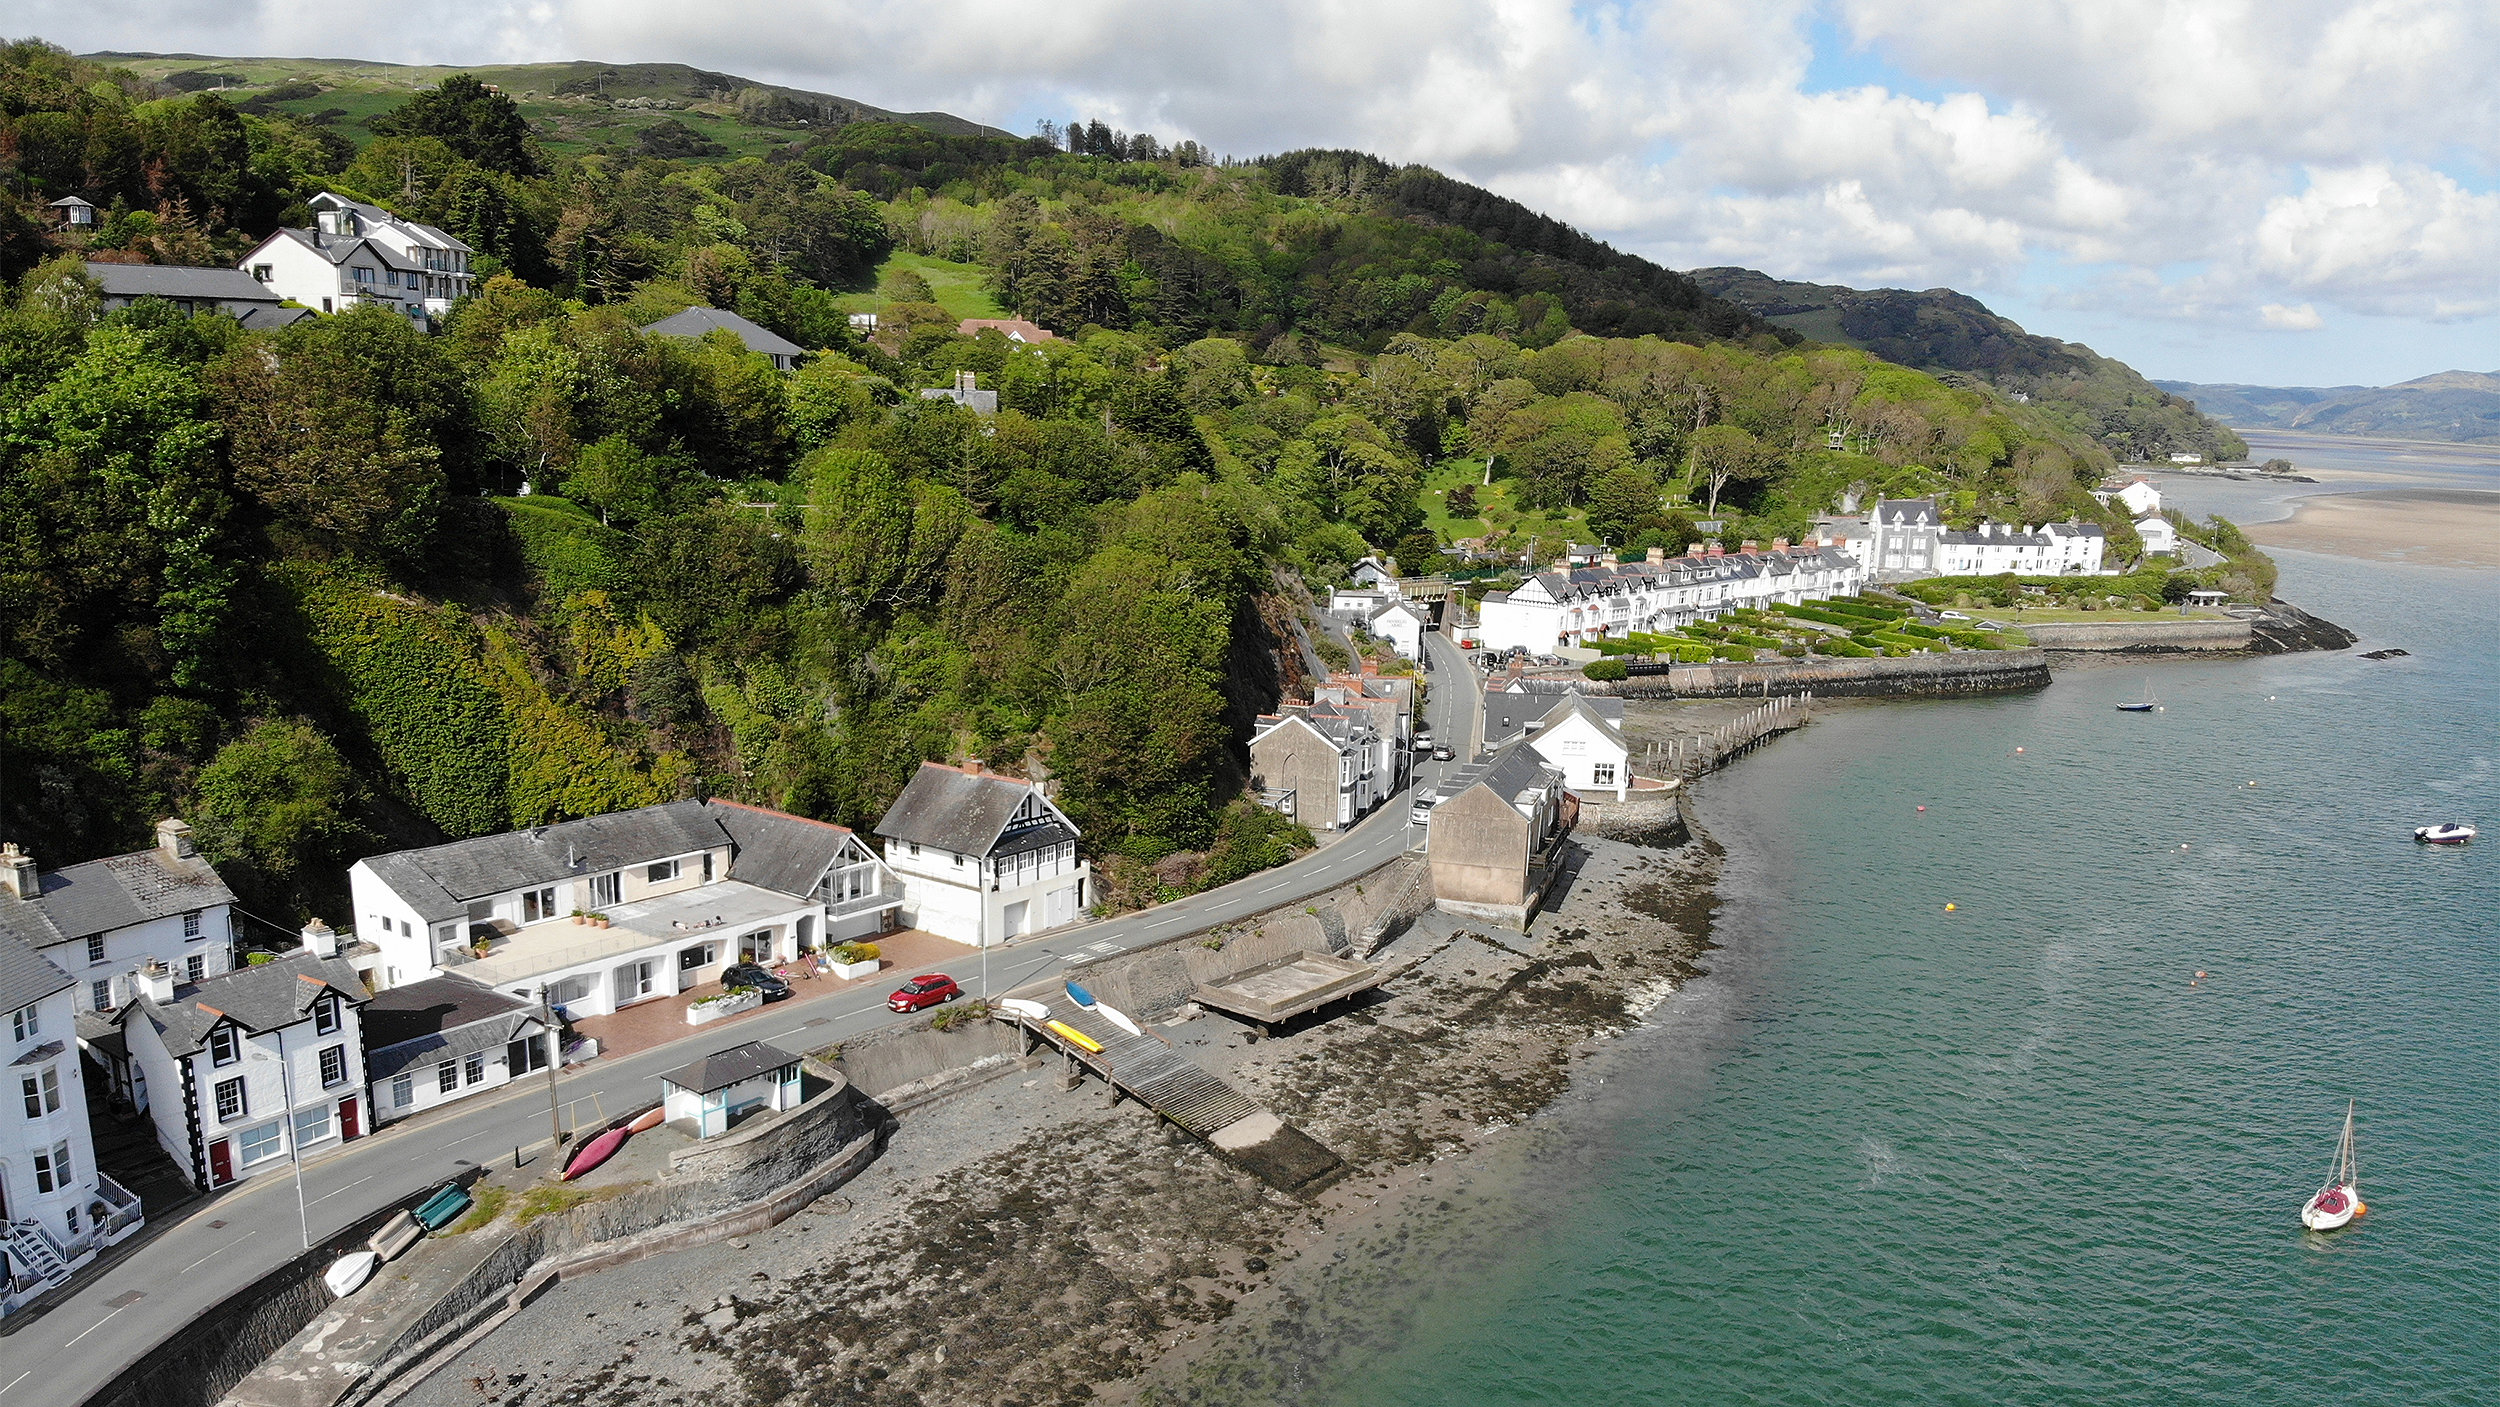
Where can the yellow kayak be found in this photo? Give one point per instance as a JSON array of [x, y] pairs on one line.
[[1075, 1037]]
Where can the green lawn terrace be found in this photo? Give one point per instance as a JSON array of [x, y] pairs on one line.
[[2066, 599], [1848, 629]]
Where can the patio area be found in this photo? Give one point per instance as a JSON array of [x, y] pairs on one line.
[[903, 954]]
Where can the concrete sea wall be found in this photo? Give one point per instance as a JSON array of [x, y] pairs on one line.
[[2144, 634]]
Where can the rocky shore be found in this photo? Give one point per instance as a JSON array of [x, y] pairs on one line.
[[1021, 1244]]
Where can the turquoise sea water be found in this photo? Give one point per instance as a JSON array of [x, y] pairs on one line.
[[2017, 1153]]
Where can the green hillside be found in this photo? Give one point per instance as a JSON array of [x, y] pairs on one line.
[[1957, 336], [2461, 406]]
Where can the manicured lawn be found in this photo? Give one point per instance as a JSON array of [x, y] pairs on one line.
[[1494, 508], [2059, 615], [960, 288]]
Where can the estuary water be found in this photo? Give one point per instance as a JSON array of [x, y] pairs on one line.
[[2019, 1152]]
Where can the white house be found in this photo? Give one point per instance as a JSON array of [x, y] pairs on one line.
[[1561, 609], [2160, 537], [1995, 547], [2186, 456], [443, 1039], [982, 857], [358, 253], [1371, 574], [1580, 733], [709, 1097], [2077, 549], [242, 1070], [1403, 625], [611, 910], [56, 1208], [2138, 496], [101, 921]]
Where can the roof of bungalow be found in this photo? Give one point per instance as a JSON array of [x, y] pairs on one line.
[[694, 322]]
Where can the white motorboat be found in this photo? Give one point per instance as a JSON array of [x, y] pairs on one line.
[[348, 1273], [2445, 833], [2337, 1203]]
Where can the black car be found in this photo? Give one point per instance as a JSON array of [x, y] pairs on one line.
[[756, 975]]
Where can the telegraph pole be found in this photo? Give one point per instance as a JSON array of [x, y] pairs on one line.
[[555, 1057]]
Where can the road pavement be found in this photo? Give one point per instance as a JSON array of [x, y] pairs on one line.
[[224, 1242]]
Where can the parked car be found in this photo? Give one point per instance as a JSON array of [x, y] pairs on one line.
[[1442, 754], [922, 992], [756, 975], [1951, 615]]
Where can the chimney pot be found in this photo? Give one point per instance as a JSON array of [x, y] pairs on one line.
[[1658, 555], [173, 840], [1779, 544], [18, 875], [320, 939]]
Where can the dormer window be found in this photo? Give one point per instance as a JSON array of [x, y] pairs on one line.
[[223, 1047], [325, 1016]]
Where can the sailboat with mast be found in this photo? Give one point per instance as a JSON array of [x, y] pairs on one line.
[[2149, 704], [2339, 1201]]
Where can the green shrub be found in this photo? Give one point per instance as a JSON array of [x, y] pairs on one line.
[[1606, 669], [1741, 654], [1845, 649]]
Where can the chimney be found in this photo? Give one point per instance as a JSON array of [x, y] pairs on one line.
[[157, 981], [1750, 546], [1715, 549], [1657, 556], [1609, 558], [17, 873], [1779, 544], [1693, 550], [173, 841], [966, 381], [320, 939]]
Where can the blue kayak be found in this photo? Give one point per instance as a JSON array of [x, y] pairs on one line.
[[1079, 995]]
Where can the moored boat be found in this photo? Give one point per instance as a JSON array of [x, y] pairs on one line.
[[2445, 833], [2339, 1201], [2148, 704]]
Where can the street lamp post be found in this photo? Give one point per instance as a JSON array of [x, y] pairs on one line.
[[555, 1057], [294, 1141]]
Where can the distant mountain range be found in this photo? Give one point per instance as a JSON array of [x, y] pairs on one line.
[[1957, 337], [2452, 405]]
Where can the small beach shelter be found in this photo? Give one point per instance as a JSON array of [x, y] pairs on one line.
[[714, 1093]]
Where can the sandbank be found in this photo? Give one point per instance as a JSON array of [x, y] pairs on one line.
[[2422, 527]]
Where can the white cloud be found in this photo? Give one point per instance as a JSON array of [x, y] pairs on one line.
[[2282, 163]]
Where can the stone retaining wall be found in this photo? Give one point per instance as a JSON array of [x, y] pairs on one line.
[[2146, 634], [1908, 676], [1653, 818]]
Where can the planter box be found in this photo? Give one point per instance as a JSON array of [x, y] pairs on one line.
[[848, 970], [703, 1011]]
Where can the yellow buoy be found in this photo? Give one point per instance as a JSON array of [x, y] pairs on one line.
[[1948, 908]]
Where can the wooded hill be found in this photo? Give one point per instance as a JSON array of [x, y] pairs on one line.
[[2451, 405], [290, 584], [1958, 337]]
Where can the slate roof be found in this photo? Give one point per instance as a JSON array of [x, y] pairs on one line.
[[694, 322], [264, 998], [440, 1018], [440, 881], [1507, 714], [100, 896], [777, 850], [376, 215], [1016, 329], [338, 249], [26, 976], [723, 1068], [953, 809], [1907, 511], [168, 281]]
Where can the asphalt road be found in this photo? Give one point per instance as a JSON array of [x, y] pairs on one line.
[[225, 1242]]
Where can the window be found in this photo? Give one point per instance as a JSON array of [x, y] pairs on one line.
[[473, 1069], [915, 850], [956, 860], [390, 278], [262, 1143], [403, 1091], [538, 905], [232, 1103], [43, 1092], [361, 275], [636, 980], [604, 890], [24, 1022], [52, 1170], [700, 955], [102, 991], [191, 924], [312, 1125], [660, 873], [95, 950], [333, 1066], [707, 867], [195, 968], [1603, 774], [263, 272], [70, 1214], [447, 1077], [223, 1048]]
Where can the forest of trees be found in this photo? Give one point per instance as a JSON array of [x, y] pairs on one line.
[[349, 585]]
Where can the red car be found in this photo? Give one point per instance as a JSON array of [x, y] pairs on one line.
[[925, 991]]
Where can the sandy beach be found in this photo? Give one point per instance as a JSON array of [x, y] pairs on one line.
[[2423, 527], [1019, 1244]]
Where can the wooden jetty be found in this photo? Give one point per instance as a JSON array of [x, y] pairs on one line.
[[1707, 752]]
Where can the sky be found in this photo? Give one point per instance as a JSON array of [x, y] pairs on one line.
[[2292, 192]]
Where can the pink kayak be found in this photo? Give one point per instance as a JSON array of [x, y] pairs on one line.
[[598, 1150]]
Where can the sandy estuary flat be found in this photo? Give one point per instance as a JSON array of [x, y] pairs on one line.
[[2424, 527]]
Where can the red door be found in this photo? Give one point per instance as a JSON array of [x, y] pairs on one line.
[[347, 1118], [220, 1163]]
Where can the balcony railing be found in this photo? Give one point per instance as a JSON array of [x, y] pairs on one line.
[[125, 1215]]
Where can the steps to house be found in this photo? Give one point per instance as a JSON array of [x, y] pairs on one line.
[[30, 1247]]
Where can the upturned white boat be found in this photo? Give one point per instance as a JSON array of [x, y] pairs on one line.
[[2337, 1203], [2445, 833], [1018, 1006], [349, 1272]]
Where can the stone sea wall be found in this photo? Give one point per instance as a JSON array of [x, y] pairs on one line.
[[1912, 676], [2144, 634]]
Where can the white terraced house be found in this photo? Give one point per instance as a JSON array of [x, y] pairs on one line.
[[1580, 733], [246, 1069], [1566, 609], [357, 253], [57, 1210], [983, 857], [631, 906], [432, 1042], [102, 921]]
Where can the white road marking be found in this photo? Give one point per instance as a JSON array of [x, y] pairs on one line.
[[18, 1379], [221, 1250], [328, 1195], [89, 1330]]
